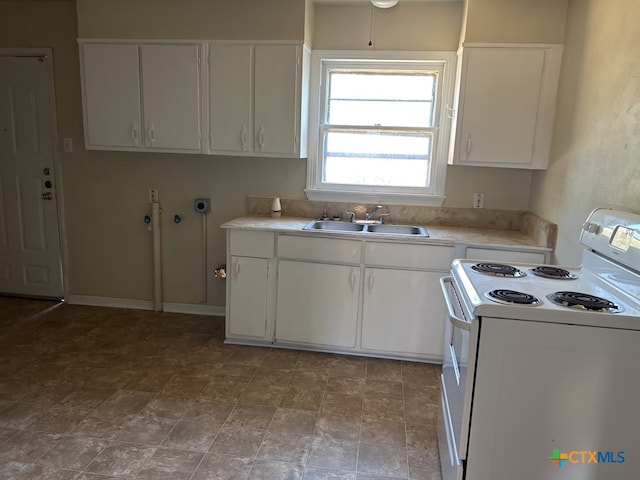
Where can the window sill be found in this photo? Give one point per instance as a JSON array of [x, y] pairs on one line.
[[385, 198]]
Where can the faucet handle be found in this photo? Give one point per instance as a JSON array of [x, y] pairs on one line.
[[352, 216], [382, 216]]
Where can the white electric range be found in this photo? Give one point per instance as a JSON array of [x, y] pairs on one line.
[[539, 371]]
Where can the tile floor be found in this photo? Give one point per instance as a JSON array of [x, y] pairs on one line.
[[92, 393]]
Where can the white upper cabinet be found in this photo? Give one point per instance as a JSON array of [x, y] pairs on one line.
[[139, 96], [230, 98], [171, 96], [506, 96], [277, 99], [257, 99], [111, 96]]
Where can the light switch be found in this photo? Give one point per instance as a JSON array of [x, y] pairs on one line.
[[68, 145]]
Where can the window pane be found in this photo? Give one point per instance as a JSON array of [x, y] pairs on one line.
[[377, 113], [402, 99], [396, 159]]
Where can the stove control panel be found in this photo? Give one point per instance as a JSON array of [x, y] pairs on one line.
[[613, 234]]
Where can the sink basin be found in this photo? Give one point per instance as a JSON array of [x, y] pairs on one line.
[[334, 225], [398, 229], [367, 228]]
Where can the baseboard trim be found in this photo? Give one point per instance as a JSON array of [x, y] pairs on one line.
[[170, 307], [194, 309]]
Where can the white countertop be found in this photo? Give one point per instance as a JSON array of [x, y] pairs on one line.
[[438, 235]]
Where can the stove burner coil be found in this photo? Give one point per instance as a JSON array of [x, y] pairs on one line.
[[513, 297], [498, 270], [553, 272], [584, 301]]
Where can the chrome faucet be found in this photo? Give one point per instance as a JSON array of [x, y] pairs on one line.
[[367, 216]]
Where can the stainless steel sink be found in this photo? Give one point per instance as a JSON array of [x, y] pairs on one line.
[[335, 226], [398, 229], [366, 228]]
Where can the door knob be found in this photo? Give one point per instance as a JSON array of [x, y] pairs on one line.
[[47, 196]]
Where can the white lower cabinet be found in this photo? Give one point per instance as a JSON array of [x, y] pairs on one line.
[[317, 304], [250, 286], [402, 312], [248, 279], [342, 294]]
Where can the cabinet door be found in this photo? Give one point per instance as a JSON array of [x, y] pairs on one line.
[[111, 90], [499, 105], [247, 285], [230, 98], [171, 96], [403, 312], [317, 303], [277, 93]]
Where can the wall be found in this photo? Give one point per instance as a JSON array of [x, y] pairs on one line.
[[105, 193], [219, 19], [421, 26], [596, 146], [407, 26], [516, 21]]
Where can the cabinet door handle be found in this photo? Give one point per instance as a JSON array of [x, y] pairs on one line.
[[469, 145], [451, 112], [134, 133], [261, 138], [237, 270], [243, 138], [152, 133], [352, 280], [370, 282]]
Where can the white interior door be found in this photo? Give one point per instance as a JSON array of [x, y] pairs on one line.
[[30, 261]]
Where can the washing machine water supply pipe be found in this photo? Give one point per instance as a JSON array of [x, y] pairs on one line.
[[157, 256], [204, 258]]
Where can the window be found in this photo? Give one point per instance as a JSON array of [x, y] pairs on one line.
[[375, 129]]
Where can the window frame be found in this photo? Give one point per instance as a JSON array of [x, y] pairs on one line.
[[444, 63]]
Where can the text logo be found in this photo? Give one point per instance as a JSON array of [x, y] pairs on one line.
[[586, 456], [559, 458]]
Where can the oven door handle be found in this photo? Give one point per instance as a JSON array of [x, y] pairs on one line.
[[455, 321]]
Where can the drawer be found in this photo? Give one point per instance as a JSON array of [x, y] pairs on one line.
[[251, 243], [505, 256], [427, 257], [319, 249]]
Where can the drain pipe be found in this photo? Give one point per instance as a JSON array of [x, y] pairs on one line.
[[204, 258], [203, 206], [157, 256]]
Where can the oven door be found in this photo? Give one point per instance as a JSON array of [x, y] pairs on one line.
[[460, 345]]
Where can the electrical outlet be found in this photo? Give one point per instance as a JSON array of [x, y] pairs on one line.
[[153, 195], [478, 200]]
